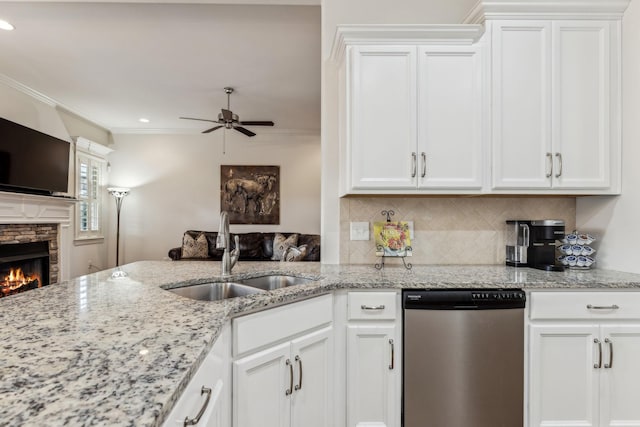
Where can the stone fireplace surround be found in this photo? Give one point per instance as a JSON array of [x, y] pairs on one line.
[[33, 218]]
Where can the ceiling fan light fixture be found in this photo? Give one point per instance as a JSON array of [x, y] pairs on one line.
[[228, 120]]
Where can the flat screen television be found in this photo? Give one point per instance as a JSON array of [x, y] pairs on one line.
[[32, 161]]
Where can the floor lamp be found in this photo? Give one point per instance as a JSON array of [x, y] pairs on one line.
[[118, 193]]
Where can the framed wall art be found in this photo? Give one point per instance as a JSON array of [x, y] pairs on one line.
[[250, 194], [392, 238]]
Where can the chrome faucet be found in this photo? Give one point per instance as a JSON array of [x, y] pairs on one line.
[[223, 241]]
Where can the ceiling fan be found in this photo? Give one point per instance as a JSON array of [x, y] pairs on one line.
[[229, 120]]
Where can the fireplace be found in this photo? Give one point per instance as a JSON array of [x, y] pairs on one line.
[[23, 266], [26, 218]]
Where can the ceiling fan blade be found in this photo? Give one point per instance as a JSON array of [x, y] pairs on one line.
[[256, 123], [243, 130], [202, 120], [227, 115], [212, 129]]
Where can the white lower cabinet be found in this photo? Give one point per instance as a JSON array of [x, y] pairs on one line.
[[286, 383], [373, 370], [206, 400], [584, 360]]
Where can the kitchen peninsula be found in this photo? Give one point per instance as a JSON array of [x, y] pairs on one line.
[[118, 350]]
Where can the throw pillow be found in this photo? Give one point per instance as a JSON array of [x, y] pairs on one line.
[[195, 248], [281, 243], [294, 254]]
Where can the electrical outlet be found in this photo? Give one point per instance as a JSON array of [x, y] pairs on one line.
[[359, 231]]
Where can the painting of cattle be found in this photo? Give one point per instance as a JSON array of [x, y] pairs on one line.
[[250, 194]]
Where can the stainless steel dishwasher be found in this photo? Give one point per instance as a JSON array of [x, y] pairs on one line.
[[463, 358]]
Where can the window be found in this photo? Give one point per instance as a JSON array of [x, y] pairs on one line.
[[90, 171]]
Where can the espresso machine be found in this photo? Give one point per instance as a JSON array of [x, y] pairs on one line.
[[532, 243]]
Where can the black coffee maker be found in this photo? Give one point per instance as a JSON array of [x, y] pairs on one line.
[[538, 238], [542, 247]]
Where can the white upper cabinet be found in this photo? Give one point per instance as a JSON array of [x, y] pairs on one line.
[[528, 103], [382, 113], [556, 106], [412, 122], [521, 72], [582, 138], [450, 117]]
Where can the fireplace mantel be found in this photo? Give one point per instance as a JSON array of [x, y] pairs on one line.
[[17, 208]]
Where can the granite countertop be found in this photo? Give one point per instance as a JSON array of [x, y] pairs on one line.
[[99, 350]]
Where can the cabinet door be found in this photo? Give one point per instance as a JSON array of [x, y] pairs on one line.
[[311, 400], [581, 104], [373, 392], [260, 385], [209, 389], [381, 117], [620, 386], [521, 124], [563, 375], [450, 117]]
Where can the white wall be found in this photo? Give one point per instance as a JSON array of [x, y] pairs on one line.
[[31, 112], [615, 219], [175, 186], [341, 12], [38, 113]]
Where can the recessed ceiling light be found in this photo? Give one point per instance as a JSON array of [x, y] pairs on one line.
[[143, 120], [4, 25]]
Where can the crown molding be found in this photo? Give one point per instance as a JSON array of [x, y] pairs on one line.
[[39, 96], [14, 84], [91, 147], [556, 9], [459, 34]]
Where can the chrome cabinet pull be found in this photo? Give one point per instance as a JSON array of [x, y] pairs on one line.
[[299, 385], [393, 357], [372, 307], [603, 307], [288, 391], [559, 157], [196, 420], [424, 164], [599, 364], [610, 364], [414, 164], [549, 165]]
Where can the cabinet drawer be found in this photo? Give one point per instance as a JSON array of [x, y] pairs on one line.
[[585, 305], [372, 305], [270, 326]]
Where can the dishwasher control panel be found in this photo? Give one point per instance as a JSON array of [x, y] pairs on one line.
[[497, 295], [462, 299]]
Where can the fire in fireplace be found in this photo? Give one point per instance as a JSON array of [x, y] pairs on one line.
[[23, 266]]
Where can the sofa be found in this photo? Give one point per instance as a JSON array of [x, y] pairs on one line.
[[201, 245]]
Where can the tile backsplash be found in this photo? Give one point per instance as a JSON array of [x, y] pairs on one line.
[[448, 230]]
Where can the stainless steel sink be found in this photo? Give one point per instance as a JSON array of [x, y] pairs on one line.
[[274, 281], [215, 291]]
